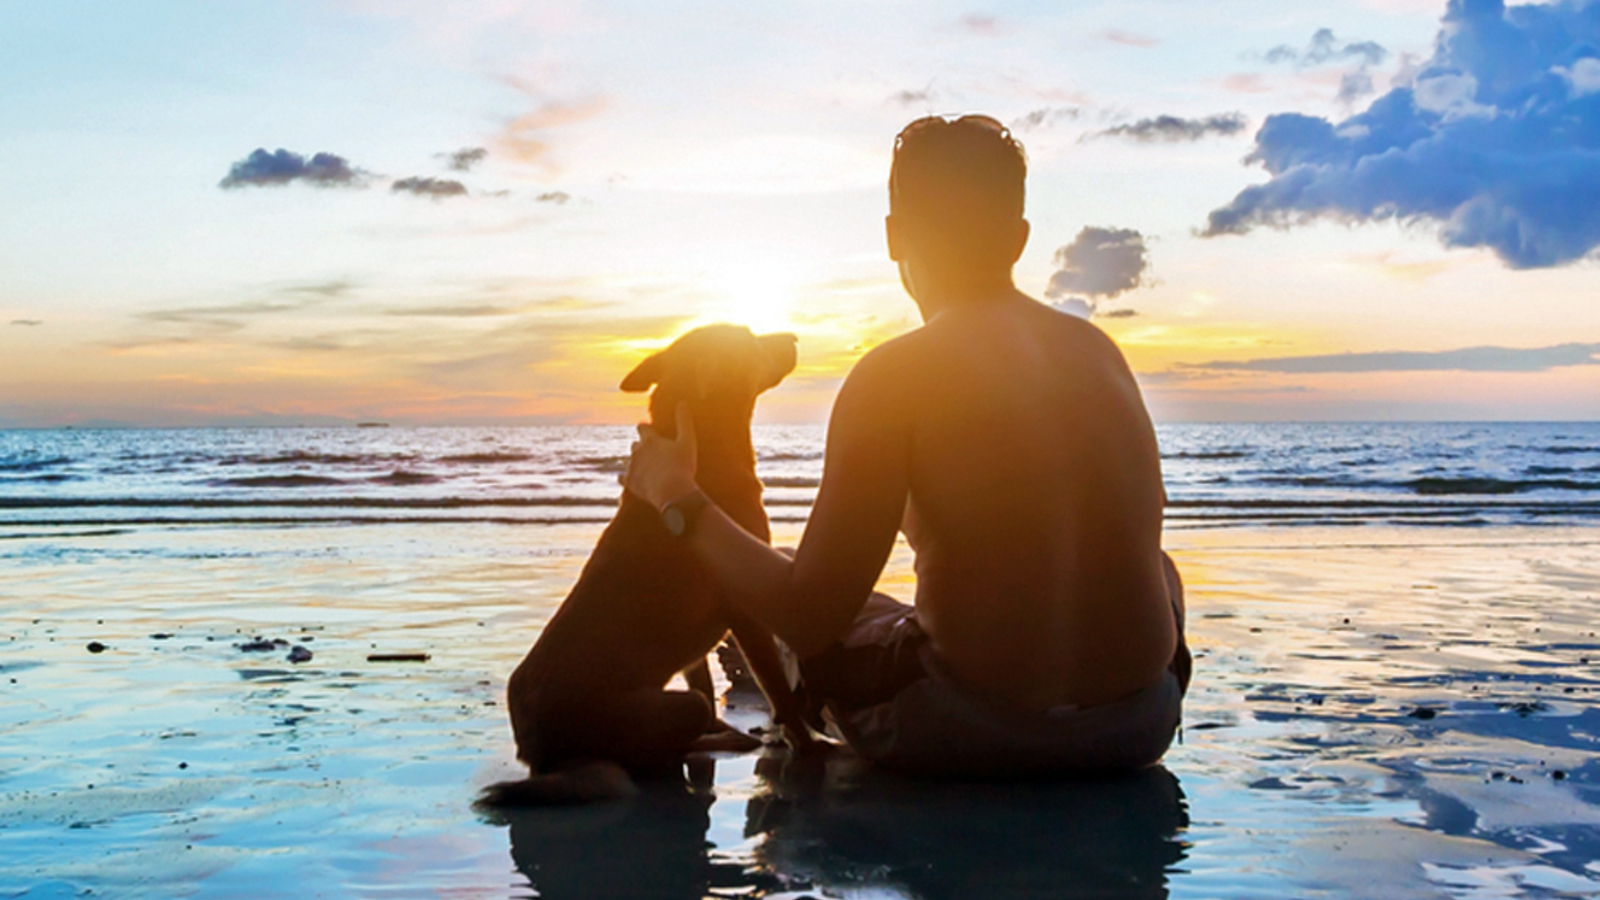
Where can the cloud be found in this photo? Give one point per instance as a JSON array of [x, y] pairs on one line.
[[1496, 140], [1128, 38], [464, 159], [27, 323], [1246, 83], [978, 23], [1172, 129], [527, 137], [436, 188], [263, 169], [1099, 264], [1047, 116], [909, 97], [472, 311], [1325, 48], [1467, 359]]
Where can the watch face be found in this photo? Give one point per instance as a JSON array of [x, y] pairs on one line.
[[672, 517]]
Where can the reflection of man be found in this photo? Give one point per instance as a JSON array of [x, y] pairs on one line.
[[1010, 443]]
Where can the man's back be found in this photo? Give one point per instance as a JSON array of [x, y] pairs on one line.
[[1035, 504]]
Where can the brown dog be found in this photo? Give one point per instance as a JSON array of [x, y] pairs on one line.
[[588, 704]]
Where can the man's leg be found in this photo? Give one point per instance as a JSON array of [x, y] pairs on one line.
[[875, 660], [1182, 664]]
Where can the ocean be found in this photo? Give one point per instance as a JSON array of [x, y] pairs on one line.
[[270, 663], [1216, 474]]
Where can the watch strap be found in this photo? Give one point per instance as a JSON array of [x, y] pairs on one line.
[[681, 515]]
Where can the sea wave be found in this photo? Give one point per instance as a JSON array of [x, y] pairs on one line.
[[1475, 485]]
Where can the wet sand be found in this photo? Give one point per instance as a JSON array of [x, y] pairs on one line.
[[1377, 712]]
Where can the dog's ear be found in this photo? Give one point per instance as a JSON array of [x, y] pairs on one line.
[[779, 350], [645, 374]]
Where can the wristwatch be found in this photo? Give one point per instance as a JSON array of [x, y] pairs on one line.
[[681, 515]]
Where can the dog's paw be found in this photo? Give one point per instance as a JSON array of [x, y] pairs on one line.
[[730, 741]]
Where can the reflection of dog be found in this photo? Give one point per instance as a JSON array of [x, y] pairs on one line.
[[588, 703]]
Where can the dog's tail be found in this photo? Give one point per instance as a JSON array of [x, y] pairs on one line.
[[589, 783]]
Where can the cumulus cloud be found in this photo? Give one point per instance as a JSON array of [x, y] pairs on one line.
[[464, 159], [1467, 359], [436, 188], [1496, 140], [263, 169], [1172, 129], [1098, 265]]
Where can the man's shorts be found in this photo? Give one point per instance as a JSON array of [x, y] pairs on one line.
[[882, 691]]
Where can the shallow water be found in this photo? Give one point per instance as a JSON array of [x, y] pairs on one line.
[[1373, 707]]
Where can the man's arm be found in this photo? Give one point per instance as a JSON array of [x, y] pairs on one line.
[[808, 601]]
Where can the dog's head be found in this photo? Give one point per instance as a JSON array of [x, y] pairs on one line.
[[719, 366]]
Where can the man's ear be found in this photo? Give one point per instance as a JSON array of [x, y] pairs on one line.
[[1020, 239], [781, 356], [645, 374], [891, 233]]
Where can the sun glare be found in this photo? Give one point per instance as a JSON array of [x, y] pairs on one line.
[[756, 292]]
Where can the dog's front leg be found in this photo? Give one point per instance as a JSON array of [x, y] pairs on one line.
[[699, 678], [761, 652]]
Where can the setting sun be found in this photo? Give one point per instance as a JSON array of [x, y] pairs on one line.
[[757, 292]]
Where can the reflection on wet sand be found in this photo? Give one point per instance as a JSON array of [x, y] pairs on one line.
[[849, 826], [833, 824]]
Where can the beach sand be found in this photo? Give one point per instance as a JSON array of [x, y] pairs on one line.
[[1394, 712]]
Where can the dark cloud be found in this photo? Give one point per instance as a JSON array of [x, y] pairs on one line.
[[1172, 129], [1325, 48], [912, 98], [27, 323], [1468, 359], [436, 188], [557, 197], [1496, 140], [1354, 85], [464, 159], [263, 169], [1099, 264]]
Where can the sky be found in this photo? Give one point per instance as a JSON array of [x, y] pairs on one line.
[[488, 212]]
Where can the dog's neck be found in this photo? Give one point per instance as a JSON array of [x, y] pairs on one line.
[[725, 465]]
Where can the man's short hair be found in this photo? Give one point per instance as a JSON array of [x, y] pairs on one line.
[[956, 183]]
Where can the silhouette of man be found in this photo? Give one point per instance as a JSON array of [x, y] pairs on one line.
[[1010, 443]]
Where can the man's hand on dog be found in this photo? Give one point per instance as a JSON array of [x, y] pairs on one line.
[[661, 469]]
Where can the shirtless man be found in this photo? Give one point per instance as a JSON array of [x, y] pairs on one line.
[[1010, 443]]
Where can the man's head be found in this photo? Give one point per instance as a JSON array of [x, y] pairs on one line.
[[955, 203]]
